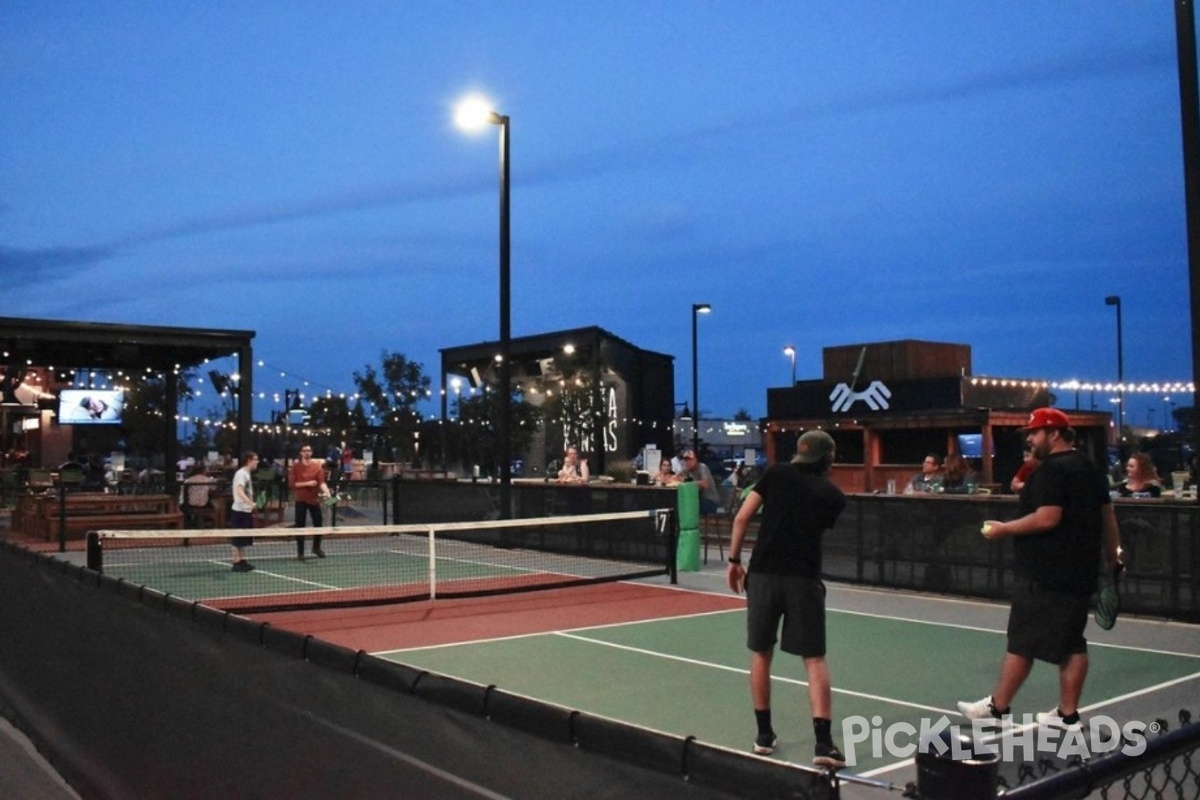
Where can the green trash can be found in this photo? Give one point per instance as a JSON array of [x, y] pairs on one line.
[[687, 552]]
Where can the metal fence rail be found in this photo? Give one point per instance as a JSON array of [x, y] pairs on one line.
[[1165, 770], [934, 544]]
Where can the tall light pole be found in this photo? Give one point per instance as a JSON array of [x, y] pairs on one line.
[[697, 309], [791, 353], [474, 113], [1114, 300]]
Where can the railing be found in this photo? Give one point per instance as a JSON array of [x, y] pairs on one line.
[[912, 542], [1167, 768], [934, 544]]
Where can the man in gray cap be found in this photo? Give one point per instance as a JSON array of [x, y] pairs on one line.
[[799, 503]]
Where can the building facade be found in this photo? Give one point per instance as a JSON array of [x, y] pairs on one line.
[[888, 404]]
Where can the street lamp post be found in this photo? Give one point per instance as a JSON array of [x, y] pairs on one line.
[[697, 309], [791, 353], [291, 402], [474, 113], [1115, 300]]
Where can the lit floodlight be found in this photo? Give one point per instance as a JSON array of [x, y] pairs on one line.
[[474, 113]]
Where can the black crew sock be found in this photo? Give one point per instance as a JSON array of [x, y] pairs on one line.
[[823, 728], [763, 718], [998, 712], [1069, 719]]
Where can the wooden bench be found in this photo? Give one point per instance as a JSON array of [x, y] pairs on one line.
[[40, 516]]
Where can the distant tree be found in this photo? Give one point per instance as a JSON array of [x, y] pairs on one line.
[[335, 417], [1185, 422], [742, 415], [143, 421], [199, 443], [474, 435], [395, 391]]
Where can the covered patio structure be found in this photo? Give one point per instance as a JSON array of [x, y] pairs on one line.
[[29, 345]]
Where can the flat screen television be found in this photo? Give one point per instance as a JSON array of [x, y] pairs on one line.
[[91, 406], [970, 445]]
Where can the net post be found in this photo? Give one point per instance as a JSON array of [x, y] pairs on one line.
[[95, 560], [395, 483], [432, 565], [672, 523], [62, 516]]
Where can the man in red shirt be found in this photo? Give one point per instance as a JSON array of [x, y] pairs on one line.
[[307, 482]]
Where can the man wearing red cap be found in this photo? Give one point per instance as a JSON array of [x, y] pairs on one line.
[[1066, 518]]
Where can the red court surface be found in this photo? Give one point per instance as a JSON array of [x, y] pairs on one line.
[[439, 622]]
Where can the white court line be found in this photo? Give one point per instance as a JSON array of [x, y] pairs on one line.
[[1110, 645], [1001, 632], [268, 573], [564, 631], [1082, 710], [742, 671]]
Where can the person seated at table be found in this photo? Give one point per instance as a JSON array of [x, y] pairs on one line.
[[696, 470], [197, 487], [959, 479], [665, 475], [1024, 471], [574, 468], [71, 472], [94, 474], [928, 479], [1141, 478], [743, 477]]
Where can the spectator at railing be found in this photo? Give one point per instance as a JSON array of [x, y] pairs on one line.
[[574, 468], [1141, 478], [928, 479]]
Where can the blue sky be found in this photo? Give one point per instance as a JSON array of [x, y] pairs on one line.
[[822, 173]]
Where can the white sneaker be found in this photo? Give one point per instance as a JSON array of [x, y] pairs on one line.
[[1053, 719], [981, 709]]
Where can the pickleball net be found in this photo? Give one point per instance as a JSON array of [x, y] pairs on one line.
[[367, 565]]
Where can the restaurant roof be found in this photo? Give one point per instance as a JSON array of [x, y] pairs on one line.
[[60, 343]]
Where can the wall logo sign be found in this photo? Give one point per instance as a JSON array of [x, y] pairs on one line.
[[876, 397]]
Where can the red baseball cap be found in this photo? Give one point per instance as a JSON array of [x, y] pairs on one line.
[[1046, 418]]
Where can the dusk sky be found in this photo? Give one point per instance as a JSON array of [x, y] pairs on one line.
[[822, 173]]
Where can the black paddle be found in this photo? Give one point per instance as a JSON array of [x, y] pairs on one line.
[[1108, 607]]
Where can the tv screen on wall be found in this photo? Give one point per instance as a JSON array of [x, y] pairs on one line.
[[970, 445], [90, 406]]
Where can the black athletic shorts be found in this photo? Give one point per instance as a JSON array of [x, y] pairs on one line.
[[799, 602], [1046, 625], [242, 519]]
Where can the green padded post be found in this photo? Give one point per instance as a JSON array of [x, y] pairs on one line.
[[687, 553], [688, 503]]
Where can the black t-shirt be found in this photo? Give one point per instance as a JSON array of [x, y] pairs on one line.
[[1066, 557], [798, 506]]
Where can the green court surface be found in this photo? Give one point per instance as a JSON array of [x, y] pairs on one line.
[[688, 676], [386, 567]]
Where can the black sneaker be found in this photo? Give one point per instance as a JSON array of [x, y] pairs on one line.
[[828, 755], [764, 743], [242, 566], [318, 552]]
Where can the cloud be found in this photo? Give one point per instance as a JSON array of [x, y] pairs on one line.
[[47, 264]]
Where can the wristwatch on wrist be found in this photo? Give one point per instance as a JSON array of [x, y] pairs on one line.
[[735, 560]]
